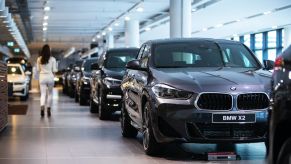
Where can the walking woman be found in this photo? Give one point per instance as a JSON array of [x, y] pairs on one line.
[[46, 67]]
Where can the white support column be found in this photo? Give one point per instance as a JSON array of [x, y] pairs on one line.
[[287, 37], [132, 33], [109, 40], [180, 18]]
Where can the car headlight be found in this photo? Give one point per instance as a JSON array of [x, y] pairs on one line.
[[56, 79], [86, 80], [168, 92], [108, 81]]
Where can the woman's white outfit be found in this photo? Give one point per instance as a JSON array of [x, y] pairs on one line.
[[46, 80]]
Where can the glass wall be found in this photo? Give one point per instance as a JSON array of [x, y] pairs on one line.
[[266, 45]]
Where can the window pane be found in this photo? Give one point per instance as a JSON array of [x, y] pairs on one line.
[[272, 39], [259, 55], [236, 38], [247, 40], [259, 41], [283, 38], [272, 54]]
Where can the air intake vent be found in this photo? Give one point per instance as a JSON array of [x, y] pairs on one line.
[[252, 101], [215, 101]]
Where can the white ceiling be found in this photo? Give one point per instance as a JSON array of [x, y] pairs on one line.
[[76, 22], [231, 10]]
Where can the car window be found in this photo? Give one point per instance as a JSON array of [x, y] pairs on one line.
[[203, 54], [119, 59], [140, 52], [87, 65], [187, 55], [14, 70], [145, 56], [237, 56]]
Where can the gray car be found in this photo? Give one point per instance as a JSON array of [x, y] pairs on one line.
[[195, 90]]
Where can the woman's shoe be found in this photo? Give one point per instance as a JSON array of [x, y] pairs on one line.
[[42, 111], [48, 112]]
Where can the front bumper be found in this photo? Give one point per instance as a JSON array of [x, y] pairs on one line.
[[184, 123], [113, 97], [19, 89], [85, 91]]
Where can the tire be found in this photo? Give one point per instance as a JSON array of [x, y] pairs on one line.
[[103, 113], [127, 130], [150, 145], [24, 98], [93, 106], [284, 156], [82, 101]]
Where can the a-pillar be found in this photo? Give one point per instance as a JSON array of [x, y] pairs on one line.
[[109, 40], [287, 37], [132, 33], [180, 18]]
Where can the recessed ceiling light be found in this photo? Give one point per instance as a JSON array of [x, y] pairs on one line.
[[267, 12], [47, 8], [193, 10], [219, 25], [93, 40], [98, 36], [148, 29], [44, 29], [45, 24], [103, 33], [116, 24], [139, 9], [127, 18], [238, 20], [204, 29], [110, 29], [46, 17]]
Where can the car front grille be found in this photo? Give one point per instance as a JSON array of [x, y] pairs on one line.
[[252, 101], [215, 101]]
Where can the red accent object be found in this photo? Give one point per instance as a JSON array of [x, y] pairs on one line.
[[279, 62]]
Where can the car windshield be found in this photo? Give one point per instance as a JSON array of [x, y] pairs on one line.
[[203, 54], [119, 59], [87, 65], [14, 70]]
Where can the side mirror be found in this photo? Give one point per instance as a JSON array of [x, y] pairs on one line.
[[77, 69], [95, 66], [27, 73], [133, 64], [269, 64]]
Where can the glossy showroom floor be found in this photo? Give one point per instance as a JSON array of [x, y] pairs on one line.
[[74, 136]]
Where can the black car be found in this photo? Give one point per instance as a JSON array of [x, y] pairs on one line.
[[106, 94], [195, 90], [83, 88], [72, 78], [65, 79], [280, 133]]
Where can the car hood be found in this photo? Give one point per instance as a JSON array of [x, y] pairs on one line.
[[215, 80], [116, 73], [15, 78]]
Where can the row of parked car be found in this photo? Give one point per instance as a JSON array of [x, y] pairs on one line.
[[190, 90]]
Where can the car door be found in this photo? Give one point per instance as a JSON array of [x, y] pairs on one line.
[[131, 98], [141, 80], [96, 80]]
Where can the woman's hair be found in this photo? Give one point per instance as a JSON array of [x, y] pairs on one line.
[[45, 54]]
